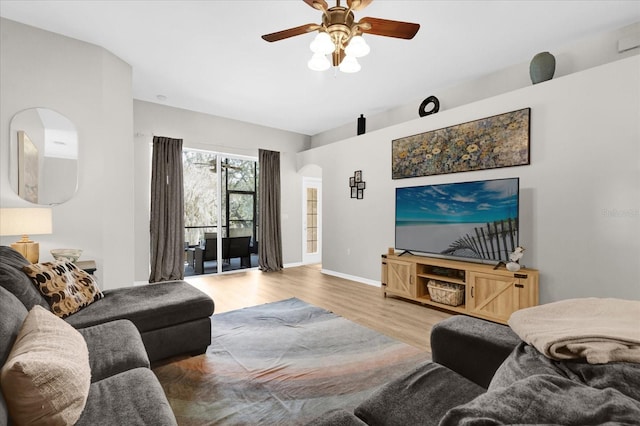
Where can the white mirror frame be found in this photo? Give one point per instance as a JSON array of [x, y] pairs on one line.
[[43, 156]]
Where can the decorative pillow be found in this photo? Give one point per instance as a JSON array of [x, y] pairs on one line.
[[66, 287], [46, 378]]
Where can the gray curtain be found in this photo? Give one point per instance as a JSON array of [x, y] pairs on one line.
[[167, 211], [269, 231]]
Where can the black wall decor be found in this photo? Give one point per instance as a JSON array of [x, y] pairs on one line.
[[430, 101], [362, 124], [357, 185]]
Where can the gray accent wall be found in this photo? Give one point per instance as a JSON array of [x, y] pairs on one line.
[[580, 196]]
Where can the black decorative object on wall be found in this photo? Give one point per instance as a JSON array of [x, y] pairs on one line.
[[431, 100], [357, 185], [362, 124]]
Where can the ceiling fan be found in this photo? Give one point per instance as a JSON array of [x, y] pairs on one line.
[[212, 166], [340, 35]]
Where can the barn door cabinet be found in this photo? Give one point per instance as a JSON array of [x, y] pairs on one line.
[[488, 293], [399, 277]]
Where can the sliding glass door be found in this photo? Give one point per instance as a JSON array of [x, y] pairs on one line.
[[220, 212]]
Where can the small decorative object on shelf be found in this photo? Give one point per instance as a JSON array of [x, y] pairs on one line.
[[514, 258], [70, 255], [357, 185], [362, 124], [542, 67], [435, 106]]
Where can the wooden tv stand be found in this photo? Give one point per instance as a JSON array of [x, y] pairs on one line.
[[492, 294]]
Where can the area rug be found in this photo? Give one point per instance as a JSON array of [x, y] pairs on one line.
[[282, 363]]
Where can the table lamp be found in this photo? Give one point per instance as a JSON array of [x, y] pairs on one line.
[[26, 221]]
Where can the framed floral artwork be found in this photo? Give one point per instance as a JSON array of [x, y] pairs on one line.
[[488, 143]]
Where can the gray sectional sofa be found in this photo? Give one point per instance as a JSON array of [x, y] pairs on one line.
[[466, 352], [124, 332], [172, 317], [483, 374]]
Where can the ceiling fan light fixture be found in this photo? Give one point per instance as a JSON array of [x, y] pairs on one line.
[[339, 34], [319, 62], [322, 43], [349, 64], [357, 47]]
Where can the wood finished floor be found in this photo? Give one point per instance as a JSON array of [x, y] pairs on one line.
[[364, 304]]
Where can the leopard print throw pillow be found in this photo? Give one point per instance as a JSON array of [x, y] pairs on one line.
[[66, 287]]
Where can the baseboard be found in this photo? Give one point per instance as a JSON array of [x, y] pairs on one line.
[[292, 265], [351, 277]]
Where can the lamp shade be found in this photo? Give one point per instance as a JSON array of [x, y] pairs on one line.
[[357, 47], [25, 221], [318, 62], [322, 43], [349, 64]]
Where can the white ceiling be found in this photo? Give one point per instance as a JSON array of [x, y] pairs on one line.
[[208, 56]]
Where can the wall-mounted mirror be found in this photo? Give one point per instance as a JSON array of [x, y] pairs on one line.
[[43, 153]]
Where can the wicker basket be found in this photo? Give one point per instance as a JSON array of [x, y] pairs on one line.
[[446, 293]]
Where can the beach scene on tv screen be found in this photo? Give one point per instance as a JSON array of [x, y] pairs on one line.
[[471, 219]]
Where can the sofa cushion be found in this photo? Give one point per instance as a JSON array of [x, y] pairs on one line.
[[19, 284], [131, 398], [12, 258], [490, 343], [190, 338], [12, 315], [149, 307], [114, 347], [66, 287], [46, 378], [420, 397]]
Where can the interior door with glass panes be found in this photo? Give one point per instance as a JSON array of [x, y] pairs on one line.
[[311, 221]]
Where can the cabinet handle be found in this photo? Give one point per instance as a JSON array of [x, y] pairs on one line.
[[410, 279], [472, 296], [520, 285]]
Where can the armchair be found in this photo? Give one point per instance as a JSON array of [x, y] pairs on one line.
[[205, 252], [231, 248]]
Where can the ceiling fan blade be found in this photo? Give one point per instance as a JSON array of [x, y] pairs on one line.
[[388, 28], [291, 32], [317, 4], [358, 4]]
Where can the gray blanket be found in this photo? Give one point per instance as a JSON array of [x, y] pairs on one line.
[[529, 388]]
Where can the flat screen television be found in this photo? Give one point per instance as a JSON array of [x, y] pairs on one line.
[[469, 220]]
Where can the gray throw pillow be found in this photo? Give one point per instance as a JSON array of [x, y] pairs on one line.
[[12, 258], [19, 284]]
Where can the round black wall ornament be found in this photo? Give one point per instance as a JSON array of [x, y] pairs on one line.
[[431, 100]]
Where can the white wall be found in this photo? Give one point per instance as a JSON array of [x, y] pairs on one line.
[[203, 131], [582, 143], [580, 196], [595, 50], [92, 88]]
